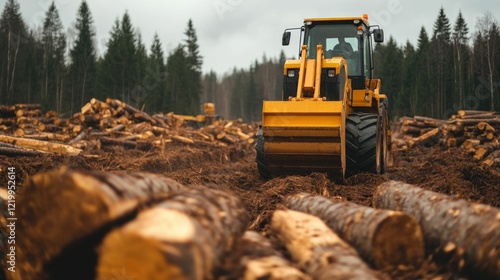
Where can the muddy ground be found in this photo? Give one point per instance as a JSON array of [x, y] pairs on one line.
[[446, 171]]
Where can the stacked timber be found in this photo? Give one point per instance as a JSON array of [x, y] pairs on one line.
[[109, 125], [477, 132]]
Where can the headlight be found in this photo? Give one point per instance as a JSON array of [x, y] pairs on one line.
[[331, 73], [291, 73]]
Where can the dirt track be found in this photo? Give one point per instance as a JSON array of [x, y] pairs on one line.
[[445, 171]]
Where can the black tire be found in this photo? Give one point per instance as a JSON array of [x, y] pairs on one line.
[[262, 166], [361, 144]]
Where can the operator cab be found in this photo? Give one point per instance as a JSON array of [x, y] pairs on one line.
[[349, 38]]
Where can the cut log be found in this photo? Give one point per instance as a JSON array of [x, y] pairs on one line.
[[184, 237], [427, 139], [182, 139], [41, 145], [258, 259], [141, 145], [78, 138], [15, 151], [384, 238], [61, 207], [492, 159], [473, 228], [483, 151], [319, 251]]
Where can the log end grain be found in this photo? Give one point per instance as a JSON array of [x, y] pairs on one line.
[[59, 198], [156, 245], [398, 240]]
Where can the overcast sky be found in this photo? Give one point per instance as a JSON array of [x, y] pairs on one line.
[[234, 33]]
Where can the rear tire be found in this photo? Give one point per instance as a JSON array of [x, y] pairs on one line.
[[361, 144], [262, 166]]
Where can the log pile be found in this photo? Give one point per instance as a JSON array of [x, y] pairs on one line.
[[477, 132], [98, 225], [110, 124]]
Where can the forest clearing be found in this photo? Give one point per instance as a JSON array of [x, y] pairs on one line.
[[115, 193]]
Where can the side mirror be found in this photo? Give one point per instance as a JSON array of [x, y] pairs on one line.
[[378, 35], [285, 41]]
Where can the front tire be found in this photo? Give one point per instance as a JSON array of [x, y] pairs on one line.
[[362, 151], [262, 166]]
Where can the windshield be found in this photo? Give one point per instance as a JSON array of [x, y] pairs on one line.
[[337, 40]]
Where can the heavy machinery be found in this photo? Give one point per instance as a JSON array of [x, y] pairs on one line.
[[332, 117], [198, 121]]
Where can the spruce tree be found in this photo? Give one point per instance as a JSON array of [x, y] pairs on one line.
[[424, 98], [442, 55], [110, 68], [195, 61], [156, 76], [460, 56], [177, 82], [54, 48], [14, 44], [83, 58], [128, 61]]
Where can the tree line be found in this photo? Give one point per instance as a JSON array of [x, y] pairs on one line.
[[452, 69], [42, 66]]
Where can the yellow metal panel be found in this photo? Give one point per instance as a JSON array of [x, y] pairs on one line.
[[291, 64], [362, 98], [310, 75], [337, 19], [305, 113]]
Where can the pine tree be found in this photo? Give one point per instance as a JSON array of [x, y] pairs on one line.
[[409, 98], [195, 61], [156, 82], [177, 82], [388, 60], [424, 104], [54, 48], [140, 92], [109, 67], [15, 35], [486, 47], [442, 55], [83, 58], [461, 50], [128, 59]]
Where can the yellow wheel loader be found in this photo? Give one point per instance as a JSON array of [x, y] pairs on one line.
[[332, 117]]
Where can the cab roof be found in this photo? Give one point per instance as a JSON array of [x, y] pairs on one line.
[[363, 18]]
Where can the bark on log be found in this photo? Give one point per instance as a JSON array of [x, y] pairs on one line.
[[16, 151], [41, 145], [62, 207], [141, 145], [471, 227], [428, 138], [184, 237], [317, 249], [382, 237], [258, 259]]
